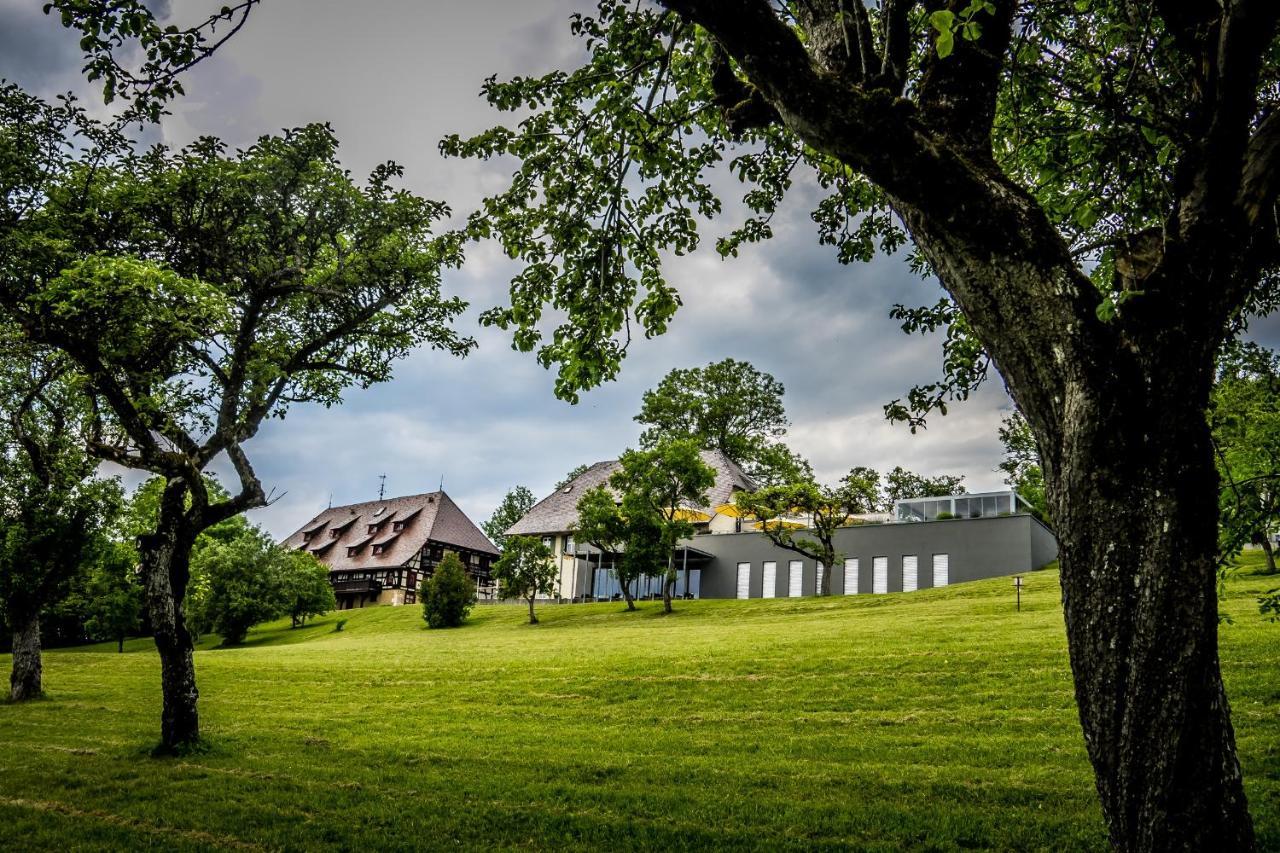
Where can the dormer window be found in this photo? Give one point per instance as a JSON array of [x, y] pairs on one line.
[[378, 549]]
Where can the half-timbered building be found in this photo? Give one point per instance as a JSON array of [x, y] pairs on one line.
[[378, 552]]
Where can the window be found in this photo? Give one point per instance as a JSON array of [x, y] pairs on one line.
[[770, 580], [549, 541], [851, 576], [744, 580], [880, 575], [941, 570], [568, 545], [795, 577], [910, 571]]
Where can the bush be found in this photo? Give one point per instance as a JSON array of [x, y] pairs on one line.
[[946, 516], [448, 595], [342, 623]]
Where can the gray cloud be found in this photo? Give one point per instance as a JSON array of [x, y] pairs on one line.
[[395, 76]]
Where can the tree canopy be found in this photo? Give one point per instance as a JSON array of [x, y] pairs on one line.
[[526, 570], [515, 505]]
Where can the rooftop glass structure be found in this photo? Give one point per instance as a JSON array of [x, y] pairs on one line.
[[981, 505]]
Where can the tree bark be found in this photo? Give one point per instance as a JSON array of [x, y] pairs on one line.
[[1133, 488], [626, 594], [25, 679], [1270, 551], [166, 556], [120, 644], [533, 619]]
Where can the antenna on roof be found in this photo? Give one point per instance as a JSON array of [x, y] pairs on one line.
[[331, 500], [382, 485], [441, 482]]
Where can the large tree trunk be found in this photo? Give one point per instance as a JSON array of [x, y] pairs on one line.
[[24, 681], [533, 618], [166, 569], [626, 594], [1133, 488]]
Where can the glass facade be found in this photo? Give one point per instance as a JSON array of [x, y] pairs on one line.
[[987, 505]]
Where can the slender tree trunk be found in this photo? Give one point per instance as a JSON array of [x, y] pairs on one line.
[[166, 558], [120, 644], [1270, 551], [626, 594], [24, 681], [533, 619], [668, 584], [1133, 488]]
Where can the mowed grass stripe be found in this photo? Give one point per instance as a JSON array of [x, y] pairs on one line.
[[936, 720]]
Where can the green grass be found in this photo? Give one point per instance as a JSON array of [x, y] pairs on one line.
[[938, 720]]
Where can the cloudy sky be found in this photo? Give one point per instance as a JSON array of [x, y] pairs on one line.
[[393, 77]]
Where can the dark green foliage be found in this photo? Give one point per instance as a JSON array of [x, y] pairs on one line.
[[526, 570], [340, 624], [900, 484], [728, 406], [243, 585], [448, 595], [601, 524], [1021, 466], [113, 594], [514, 505], [305, 590], [1245, 417], [655, 487]]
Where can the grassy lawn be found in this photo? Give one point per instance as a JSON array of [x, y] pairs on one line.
[[937, 720]]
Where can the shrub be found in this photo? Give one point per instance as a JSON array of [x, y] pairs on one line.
[[946, 516], [448, 595], [342, 623]]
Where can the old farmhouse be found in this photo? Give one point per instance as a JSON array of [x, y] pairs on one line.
[[379, 551], [923, 543]]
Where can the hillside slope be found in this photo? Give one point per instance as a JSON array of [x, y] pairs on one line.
[[934, 720]]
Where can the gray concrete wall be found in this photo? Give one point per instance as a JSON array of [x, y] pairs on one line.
[[977, 548]]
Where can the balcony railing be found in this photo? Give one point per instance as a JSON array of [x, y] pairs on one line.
[[357, 586]]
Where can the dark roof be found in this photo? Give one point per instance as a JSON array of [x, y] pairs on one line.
[[558, 512], [430, 517]]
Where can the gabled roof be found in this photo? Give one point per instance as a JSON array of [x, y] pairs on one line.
[[558, 512], [429, 517]]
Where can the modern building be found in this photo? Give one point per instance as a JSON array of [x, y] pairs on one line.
[[379, 551], [554, 518], [924, 543]]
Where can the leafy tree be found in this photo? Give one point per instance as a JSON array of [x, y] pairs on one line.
[[244, 585], [575, 473], [728, 405], [1093, 184], [900, 484], [822, 510], [514, 507], [304, 586], [199, 294], [53, 511], [448, 595], [1021, 466], [1245, 417], [113, 595], [601, 525], [656, 487], [526, 570]]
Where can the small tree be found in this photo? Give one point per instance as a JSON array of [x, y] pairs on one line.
[[304, 586], [514, 506], [1021, 466], [448, 595], [244, 585], [574, 472], [824, 510], [113, 595], [53, 512], [526, 570], [657, 486], [200, 293], [601, 525]]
